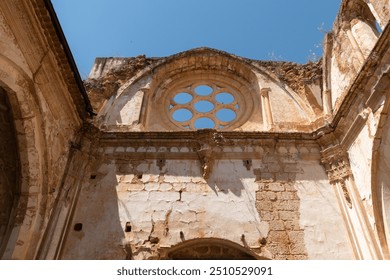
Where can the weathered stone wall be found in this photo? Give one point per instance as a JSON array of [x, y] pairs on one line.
[[45, 114], [354, 35], [269, 204], [136, 93], [381, 11]]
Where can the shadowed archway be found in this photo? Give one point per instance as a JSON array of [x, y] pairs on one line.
[[9, 169], [209, 249]]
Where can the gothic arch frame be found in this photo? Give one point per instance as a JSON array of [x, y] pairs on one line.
[[24, 232], [379, 203]]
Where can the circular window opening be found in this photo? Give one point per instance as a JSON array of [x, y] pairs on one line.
[[203, 90], [182, 98], [224, 98], [204, 106], [226, 115], [202, 123], [182, 115]]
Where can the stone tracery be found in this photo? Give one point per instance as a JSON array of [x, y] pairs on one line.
[[209, 105], [171, 179]]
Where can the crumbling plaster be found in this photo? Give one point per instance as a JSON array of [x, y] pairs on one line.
[[268, 206]]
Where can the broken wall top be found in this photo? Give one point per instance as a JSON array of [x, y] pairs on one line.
[[143, 94]]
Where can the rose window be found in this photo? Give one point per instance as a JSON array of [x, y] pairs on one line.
[[202, 106]]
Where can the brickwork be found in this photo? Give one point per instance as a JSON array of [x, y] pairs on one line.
[[278, 204]]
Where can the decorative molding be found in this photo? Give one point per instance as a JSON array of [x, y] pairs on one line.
[[336, 164]]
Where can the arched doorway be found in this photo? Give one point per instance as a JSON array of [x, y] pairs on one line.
[[9, 169], [209, 249], [25, 131]]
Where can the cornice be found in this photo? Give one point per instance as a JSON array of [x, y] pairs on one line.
[[55, 37], [206, 134]]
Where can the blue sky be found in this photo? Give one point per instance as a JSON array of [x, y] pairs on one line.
[[258, 29]]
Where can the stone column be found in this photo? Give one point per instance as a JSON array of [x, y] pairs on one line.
[[363, 241], [266, 108]]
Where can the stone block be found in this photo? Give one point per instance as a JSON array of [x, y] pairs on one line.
[[164, 187], [276, 225], [288, 205], [288, 215], [278, 237], [261, 195], [278, 248], [276, 187], [281, 257], [264, 205], [151, 186], [286, 195], [292, 225], [297, 257], [266, 215], [298, 248], [191, 187], [281, 176], [149, 178], [271, 196], [290, 187], [296, 236], [163, 196], [133, 187]]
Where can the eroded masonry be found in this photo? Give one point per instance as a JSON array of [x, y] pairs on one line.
[[199, 155]]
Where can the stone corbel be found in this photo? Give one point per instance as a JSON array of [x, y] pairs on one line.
[[206, 158], [338, 170], [337, 165]]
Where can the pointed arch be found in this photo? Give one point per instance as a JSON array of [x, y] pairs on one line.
[[26, 224]]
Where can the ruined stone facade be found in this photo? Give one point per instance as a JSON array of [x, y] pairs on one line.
[[200, 155]]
